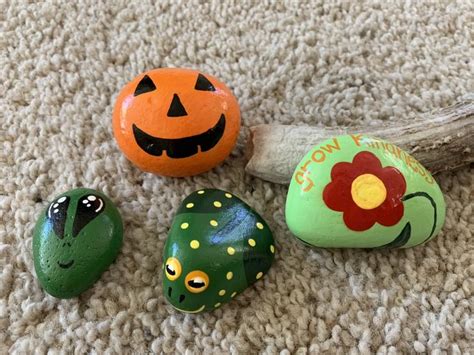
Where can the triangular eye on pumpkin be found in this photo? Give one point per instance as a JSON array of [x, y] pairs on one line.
[[203, 84], [145, 85]]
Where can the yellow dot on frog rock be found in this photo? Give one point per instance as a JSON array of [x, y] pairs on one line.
[[368, 191], [259, 275], [252, 242], [217, 204], [190, 205], [272, 249], [233, 294], [228, 195], [221, 292], [259, 225], [184, 225], [217, 304], [194, 244], [230, 251], [213, 223], [200, 192], [229, 275]]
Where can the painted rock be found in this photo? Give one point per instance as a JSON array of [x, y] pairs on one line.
[[216, 248], [355, 191], [75, 240], [176, 122]]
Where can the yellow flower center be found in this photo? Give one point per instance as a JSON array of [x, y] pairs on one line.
[[368, 191]]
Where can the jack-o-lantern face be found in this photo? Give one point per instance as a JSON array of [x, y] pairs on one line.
[[176, 122]]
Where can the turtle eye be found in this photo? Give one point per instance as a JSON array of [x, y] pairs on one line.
[[56, 213], [196, 281], [172, 269]]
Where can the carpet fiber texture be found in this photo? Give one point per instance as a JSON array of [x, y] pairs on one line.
[[62, 67]]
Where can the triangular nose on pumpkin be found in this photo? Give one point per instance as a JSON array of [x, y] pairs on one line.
[[176, 108]]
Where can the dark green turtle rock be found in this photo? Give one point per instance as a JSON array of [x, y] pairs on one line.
[[75, 240], [217, 247]]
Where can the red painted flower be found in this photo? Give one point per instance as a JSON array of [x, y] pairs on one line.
[[366, 192]]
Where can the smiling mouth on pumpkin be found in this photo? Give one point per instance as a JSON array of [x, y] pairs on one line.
[[180, 147], [66, 265]]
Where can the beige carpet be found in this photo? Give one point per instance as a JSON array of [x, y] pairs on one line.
[[61, 69]]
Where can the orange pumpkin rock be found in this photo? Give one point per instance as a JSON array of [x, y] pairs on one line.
[[176, 122]]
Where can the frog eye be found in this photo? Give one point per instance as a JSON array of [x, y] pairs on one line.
[[56, 213], [172, 269], [88, 208], [196, 281]]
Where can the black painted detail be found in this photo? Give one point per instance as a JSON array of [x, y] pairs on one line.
[[66, 265], [57, 213], [88, 207], [145, 85], [169, 291], [180, 147], [400, 240], [433, 204], [303, 242], [181, 298], [170, 271], [203, 84], [195, 284], [176, 108]]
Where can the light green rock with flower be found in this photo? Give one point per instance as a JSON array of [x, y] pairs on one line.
[[355, 191]]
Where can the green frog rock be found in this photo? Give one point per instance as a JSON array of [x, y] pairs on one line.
[[75, 240], [216, 248]]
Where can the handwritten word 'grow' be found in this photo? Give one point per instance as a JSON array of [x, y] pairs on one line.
[[302, 176]]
